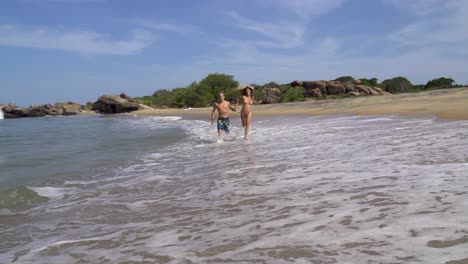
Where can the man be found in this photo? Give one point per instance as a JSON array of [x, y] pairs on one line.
[[223, 107]]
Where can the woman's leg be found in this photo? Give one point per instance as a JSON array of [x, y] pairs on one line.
[[243, 119], [248, 121]]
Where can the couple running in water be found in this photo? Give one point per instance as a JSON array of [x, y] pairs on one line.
[[223, 106]]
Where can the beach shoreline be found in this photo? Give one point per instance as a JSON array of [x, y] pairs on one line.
[[444, 103]]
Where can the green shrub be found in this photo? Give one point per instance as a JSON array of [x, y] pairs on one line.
[[397, 85], [293, 94], [345, 79], [370, 82], [440, 83]]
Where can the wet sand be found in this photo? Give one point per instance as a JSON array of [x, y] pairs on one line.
[[446, 103]]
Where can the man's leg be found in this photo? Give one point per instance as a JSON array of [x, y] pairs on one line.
[[226, 126], [220, 127]]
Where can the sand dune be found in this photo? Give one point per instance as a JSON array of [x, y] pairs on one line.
[[446, 103]]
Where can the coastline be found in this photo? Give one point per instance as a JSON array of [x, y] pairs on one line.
[[444, 103]]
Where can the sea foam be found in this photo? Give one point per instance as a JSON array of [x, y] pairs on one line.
[[341, 189]]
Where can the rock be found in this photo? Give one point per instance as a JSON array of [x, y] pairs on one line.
[[124, 96], [36, 113], [13, 111], [89, 105], [336, 88], [381, 91], [324, 88], [296, 83], [315, 92], [69, 106], [272, 95], [112, 104], [46, 109], [69, 112]]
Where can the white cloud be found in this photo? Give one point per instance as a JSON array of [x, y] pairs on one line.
[[445, 30], [181, 29], [76, 41], [280, 35], [328, 46], [306, 8]]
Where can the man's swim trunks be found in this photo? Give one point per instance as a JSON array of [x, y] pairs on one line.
[[223, 124]]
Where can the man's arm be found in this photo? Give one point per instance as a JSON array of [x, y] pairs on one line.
[[213, 113]]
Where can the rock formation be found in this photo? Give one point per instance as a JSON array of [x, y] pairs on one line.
[[111, 104], [327, 88]]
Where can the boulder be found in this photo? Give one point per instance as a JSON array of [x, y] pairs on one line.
[[13, 111], [315, 92], [380, 91], [336, 88], [68, 106], [46, 109], [124, 96], [112, 104], [272, 95], [69, 112]]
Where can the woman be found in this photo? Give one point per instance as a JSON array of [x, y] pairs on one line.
[[247, 99]]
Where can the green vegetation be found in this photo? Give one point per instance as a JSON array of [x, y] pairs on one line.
[[370, 82], [292, 94], [205, 92], [440, 83], [345, 79], [397, 85], [200, 94]]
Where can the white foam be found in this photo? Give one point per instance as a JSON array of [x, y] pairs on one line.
[[1, 113], [51, 192], [301, 186], [5, 212]]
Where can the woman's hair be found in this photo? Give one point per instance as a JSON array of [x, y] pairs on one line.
[[245, 90]]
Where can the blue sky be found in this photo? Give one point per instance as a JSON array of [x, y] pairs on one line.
[[76, 50]]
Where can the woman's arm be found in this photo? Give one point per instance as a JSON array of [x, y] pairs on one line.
[[252, 100]]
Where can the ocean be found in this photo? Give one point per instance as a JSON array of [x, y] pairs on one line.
[[302, 189]]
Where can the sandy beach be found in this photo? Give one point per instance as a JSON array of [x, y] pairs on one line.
[[446, 103]]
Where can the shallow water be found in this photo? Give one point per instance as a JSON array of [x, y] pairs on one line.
[[340, 189]]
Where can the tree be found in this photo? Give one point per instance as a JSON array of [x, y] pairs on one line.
[[209, 87], [370, 82], [345, 79], [440, 83], [397, 85]]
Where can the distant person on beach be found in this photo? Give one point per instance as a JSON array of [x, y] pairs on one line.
[[222, 106], [246, 100]]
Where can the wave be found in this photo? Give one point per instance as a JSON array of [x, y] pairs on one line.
[[20, 197], [1, 113]]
